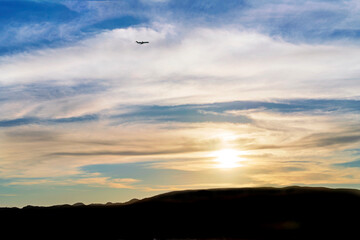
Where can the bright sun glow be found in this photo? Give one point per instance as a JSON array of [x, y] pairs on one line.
[[227, 158]]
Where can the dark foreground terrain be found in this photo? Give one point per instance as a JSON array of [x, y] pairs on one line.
[[248, 213]]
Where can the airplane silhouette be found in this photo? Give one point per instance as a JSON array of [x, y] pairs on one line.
[[141, 42]]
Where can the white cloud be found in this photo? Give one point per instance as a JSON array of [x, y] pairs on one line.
[[189, 66], [179, 66]]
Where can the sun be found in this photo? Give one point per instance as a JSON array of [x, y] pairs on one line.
[[227, 158]]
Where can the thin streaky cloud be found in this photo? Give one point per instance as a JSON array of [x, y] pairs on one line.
[[130, 153], [85, 109]]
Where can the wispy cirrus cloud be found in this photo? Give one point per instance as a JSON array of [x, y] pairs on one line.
[[352, 164], [83, 105], [246, 64], [29, 25], [90, 181], [30, 121], [36, 24]]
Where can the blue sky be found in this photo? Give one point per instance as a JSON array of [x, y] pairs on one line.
[[227, 94], [26, 25]]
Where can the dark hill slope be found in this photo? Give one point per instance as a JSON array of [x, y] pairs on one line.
[[248, 213]]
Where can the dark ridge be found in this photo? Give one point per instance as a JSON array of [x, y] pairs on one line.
[[244, 213], [78, 204]]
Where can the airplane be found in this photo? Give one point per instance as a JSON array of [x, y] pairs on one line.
[[141, 42]]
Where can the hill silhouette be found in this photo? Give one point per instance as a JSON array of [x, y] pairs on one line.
[[244, 213]]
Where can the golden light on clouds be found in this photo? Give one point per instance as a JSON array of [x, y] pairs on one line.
[[206, 106]]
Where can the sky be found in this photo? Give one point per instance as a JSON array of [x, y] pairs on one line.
[[235, 93]]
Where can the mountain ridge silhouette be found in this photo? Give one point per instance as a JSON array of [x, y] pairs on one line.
[[237, 213]]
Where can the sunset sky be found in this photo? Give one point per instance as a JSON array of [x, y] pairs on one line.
[[235, 93]]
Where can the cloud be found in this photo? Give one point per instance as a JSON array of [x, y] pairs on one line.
[[274, 79], [225, 112], [180, 187], [48, 91], [180, 113], [153, 174], [237, 111], [129, 153], [29, 182], [268, 172], [102, 73], [297, 130], [7, 195], [106, 182], [30, 120], [315, 141], [126, 183], [29, 25], [325, 140], [114, 23], [201, 9], [309, 21], [32, 135], [353, 164]]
